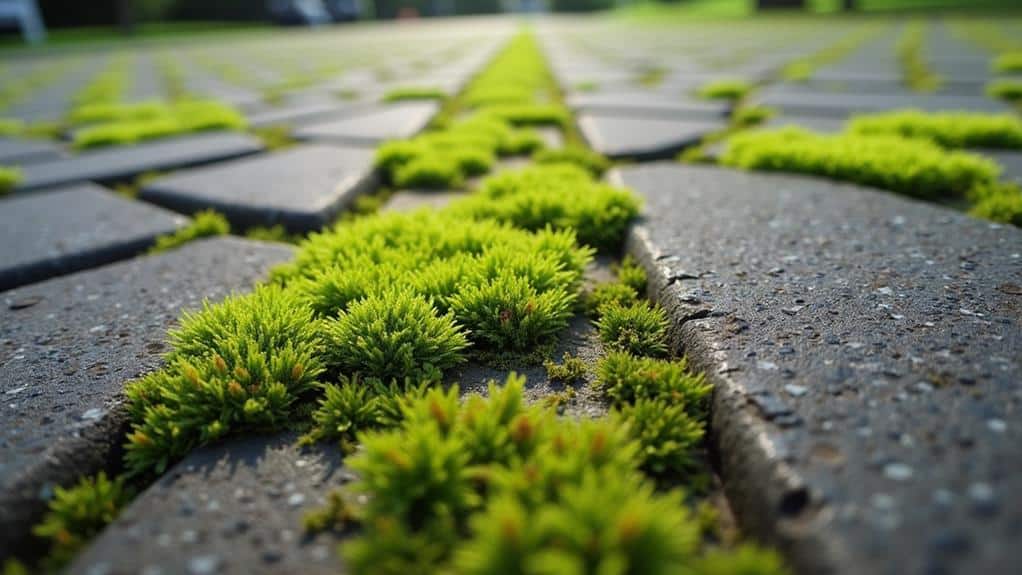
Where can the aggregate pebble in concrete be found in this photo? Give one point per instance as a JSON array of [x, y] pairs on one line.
[[374, 125], [23, 151], [61, 231], [233, 507], [68, 345], [302, 188], [865, 352], [643, 137], [125, 161]]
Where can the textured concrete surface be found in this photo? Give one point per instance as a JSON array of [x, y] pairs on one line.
[[646, 103], [845, 104], [373, 125], [69, 229], [865, 351], [231, 508], [299, 114], [643, 138], [302, 188], [1010, 162], [123, 162], [68, 345]]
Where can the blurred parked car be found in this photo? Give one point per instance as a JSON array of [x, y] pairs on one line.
[[344, 10], [298, 12]]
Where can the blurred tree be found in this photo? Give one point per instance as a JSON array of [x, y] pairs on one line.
[[580, 5], [477, 6], [780, 4], [849, 5]]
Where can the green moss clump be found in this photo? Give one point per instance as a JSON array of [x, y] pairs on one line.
[[1007, 63], [518, 75], [1009, 90], [204, 224], [1000, 203], [609, 294], [595, 163], [626, 379], [11, 127], [9, 179], [276, 233], [530, 114], [559, 196], [725, 90], [912, 167], [571, 369], [490, 485], [336, 516], [949, 129], [915, 71], [394, 335], [414, 93], [128, 124], [78, 513], [274, 138], [746, 559], [748, 116], [353, 406], [638, 329], [630, 273], [240, 364], [667, 434], [434, 171]]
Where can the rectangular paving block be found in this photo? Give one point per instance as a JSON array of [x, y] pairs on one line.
[[68, 229], [648, 103], [643, 137], [302, 113], [302, 188], [1009, 160], [68, 346], [121, 162], [865, 354], [374, 124], [841, 105], [18, 151], [231, 508]]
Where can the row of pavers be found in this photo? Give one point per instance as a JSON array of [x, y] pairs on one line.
[[161, 518]]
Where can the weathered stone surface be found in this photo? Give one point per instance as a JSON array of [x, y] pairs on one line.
[[234, 507], [21, 151], [68, 345], [865, 352], [841, 105], [643, 137], [411, 200], [302, 188], [374, 124], [126, 161], [1010, 162], [301, 113], [646, 103], [61, 231]]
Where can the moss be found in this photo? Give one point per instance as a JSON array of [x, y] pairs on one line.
[[517, 75], [746, 559], [625, 379], [336, 516], [948, 129], [651, 77], [571, 370], [747, 116], [129, 124], [204, 224], [277, 233], [637, 329], [394, 335], [630, 273], [274, 138], [1007, 63], [915, 71], [609, 293], [433, 171], [595, 163], [668, 436], [78, 513], [238, 365], [9, 179], [1010, 90], [559, 196], [912, 167], [11, 127], [530, 114], [414, 93], [352, 406], [730, 90], [520, 142], [1002, 203], [117, 112], [587, 87]]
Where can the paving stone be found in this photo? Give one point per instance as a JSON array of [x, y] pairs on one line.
[[647, 103], [236, 507], [411, 200], [296, 114], [121, 162], [374, 125], [302, 188], [812, 123], [642, 137], [841, 105], [17, 151], [865, 353], [65, 230], [68, 345]]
